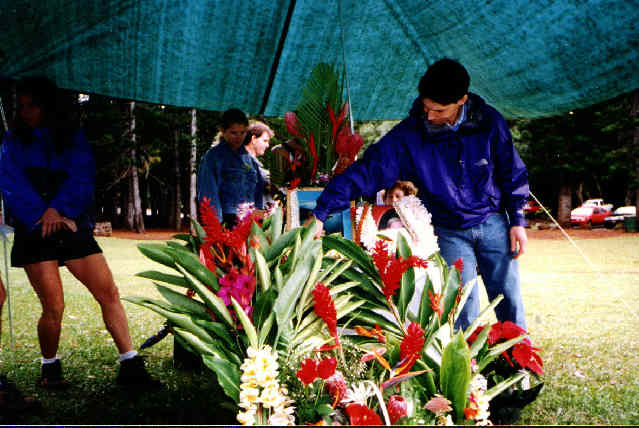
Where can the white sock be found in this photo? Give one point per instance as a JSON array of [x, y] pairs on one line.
[[49, 360], [128, 355]]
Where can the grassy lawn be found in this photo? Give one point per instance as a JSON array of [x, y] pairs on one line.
[[583, 322]]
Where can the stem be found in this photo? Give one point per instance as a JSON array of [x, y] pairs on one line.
[[396, 315]]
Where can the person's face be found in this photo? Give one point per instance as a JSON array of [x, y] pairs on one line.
[[439, 114], [29, 112], [234, 135], [260, 144], [394, 196]]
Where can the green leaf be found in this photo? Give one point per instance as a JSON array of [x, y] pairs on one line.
[[265, 328], [454, 375], [351, 251], [262, 270], [277, 247], [182, 237], [276, 224], [228, 375], [305, 298], [178, 319], [199, 230], [184, 303], [163, 277], [263, 307], [450, 291], [479, 342], [495, 351], [291, 291], [157, 253], [407, 289], [249, 328], [217, 328], [503, 385], [337, 272], [484, 313], [368, 288], [192, 264], [258, 233], [425, 309], [293, 257], [212, 301]]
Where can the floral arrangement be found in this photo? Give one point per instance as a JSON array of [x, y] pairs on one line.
[[306, 331], [322, 125]]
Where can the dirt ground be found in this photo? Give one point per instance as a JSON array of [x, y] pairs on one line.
[[596, 233]]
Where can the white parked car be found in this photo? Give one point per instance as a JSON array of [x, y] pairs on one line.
[[618, 215]]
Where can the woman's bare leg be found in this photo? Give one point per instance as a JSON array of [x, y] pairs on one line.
[[94, 273], [45, 280]]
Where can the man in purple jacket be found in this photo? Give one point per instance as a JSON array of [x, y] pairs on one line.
[[459, 153]]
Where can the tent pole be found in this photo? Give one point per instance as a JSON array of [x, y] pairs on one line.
[[5, 231]]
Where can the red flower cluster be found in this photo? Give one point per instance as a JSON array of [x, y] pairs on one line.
[[392, 268], [411, 346], [523, 352], [311, 369], [459, 265], [221, 245], [324, 307], [362, 415]]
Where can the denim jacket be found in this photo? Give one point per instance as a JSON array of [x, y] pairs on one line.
[[228, 178], [33, 177], [463, 175]]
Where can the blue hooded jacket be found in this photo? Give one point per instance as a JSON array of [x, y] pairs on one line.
[[34, 177], [229, 177], [463, 176]]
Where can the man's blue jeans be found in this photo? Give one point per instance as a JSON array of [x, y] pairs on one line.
[[485, 247]]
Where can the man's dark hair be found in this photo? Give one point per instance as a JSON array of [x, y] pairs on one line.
[[56, 106], [231, 116], [445, 82]]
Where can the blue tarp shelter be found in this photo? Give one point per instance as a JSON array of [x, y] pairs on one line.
[[528, 58]]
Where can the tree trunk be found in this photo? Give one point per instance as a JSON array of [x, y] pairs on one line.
[[635, 152], [135, 219], [193, 168], [178, 183], [565, 203], [580, 193]]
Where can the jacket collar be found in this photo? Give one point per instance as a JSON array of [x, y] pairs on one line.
[[474, 116]]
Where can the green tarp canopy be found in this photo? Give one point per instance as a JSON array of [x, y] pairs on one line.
[[527, 58]]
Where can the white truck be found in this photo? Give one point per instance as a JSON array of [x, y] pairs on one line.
[[598, 202]]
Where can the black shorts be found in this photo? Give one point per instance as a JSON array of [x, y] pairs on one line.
[[30, 247]]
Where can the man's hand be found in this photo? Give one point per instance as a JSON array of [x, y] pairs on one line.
[[51, 222], [518, 236], [319, 226]]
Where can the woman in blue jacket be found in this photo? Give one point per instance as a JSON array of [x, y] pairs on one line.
[[47, 175]]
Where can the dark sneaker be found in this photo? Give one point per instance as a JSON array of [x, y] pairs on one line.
[[51, 377], [133, 373]]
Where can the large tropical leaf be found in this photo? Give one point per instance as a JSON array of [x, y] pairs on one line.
[[454, 375], [228, 375], [164, 277], [407, 289], [157, 253]]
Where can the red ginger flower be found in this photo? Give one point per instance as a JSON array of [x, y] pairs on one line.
[[326, 367], [459, 265], [308, 371], [362, 415], [397, 408], [290, 119], [391, 268], [411, 346], [324, 307], [210, 223]]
